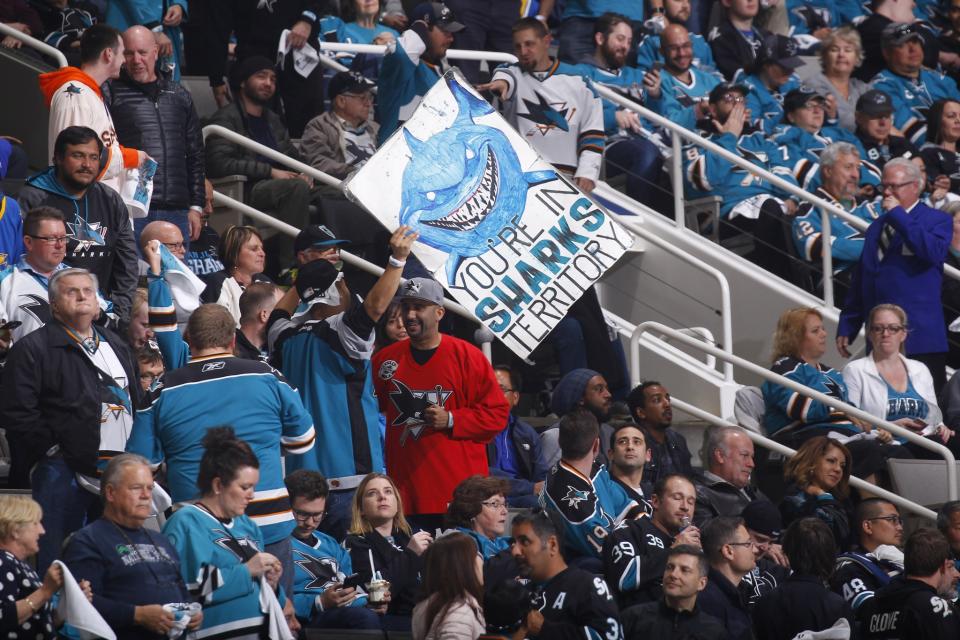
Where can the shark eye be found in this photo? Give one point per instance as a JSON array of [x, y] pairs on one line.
[[470, 154], [431, 196]]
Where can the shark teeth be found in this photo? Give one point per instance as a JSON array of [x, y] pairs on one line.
[[476, 207]]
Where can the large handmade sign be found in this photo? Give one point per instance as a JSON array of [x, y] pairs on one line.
[[509, 237]]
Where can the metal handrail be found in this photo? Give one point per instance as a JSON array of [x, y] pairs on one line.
[[770, 376], [33, 43], [773, 445], [453, 54], [678, 131]]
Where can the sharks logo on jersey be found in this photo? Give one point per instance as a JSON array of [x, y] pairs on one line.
[[547, 115], [85, 234], [575, 496], [323, 571], [244, 548], [411, 406]]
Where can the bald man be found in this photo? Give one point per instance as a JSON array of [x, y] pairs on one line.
[[167, 233], [153, 112]]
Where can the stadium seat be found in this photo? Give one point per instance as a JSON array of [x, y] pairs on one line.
[[922, 481]]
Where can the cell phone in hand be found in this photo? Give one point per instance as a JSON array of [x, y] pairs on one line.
[[10, 326], [352, 582], [656, 66]]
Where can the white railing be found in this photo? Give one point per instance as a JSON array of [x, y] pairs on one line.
[[770, 376], [773, 445], [452, 54], [678, 132], [33, 43]]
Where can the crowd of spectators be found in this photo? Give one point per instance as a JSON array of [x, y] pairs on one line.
[[208, 451]]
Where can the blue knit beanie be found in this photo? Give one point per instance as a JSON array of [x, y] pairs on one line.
[[569, 391]]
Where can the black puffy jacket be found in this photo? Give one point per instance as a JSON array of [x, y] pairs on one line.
[[159, 118]]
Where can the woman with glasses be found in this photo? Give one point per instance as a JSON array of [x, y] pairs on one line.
[[818, 476], [891, 386]]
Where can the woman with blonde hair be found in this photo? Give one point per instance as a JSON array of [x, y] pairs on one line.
[[380, 540], [243, 257], [819, 477], [26, 610], [840, 54]]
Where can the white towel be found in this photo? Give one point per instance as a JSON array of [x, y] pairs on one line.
[[277, 628], [77, 611], [839, 631], [185, 286]]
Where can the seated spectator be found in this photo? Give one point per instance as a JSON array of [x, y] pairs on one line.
[[634, 554], [574, 601], [270, 187], [948, 522], [150, 365], [649, 47], [950, 297], [590, 503], [225, 576], [101, 239], [949, 39], [912, 88], [380, 531], [452, 591], [64, 22], [28, 607], [804, 135], [791, 417], [242, 253], [343, 139], [769, 79], [763, 523], [749, 203], [20, 15], [185, 291], [256, 305], [201, 255], [516, 454], [884, 13], [414, 64], [876, 558], [940, 153], [650, 407], [506, 606], [23, 283], [627, 150], [627, 456], [320, 598], [724, 488], [918, 603], [479, 509], [736, 41], [362, 25], [802, 603], [818, 479], [840, 54], [133, 572], [139, 332], [684, 87], [676, 615], [11, 224], [875, 137], [579, 17], [888, 385], [731, 553], [579, 389], [838, 176]]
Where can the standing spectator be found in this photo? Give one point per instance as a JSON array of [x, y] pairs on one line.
[[64, 22], [270, 187], [216, 388], [576, 149], [515, 454], [414, 64], [877, 558], [901, 263], [736, 41], [488, 25], [580, 388], [875, 137], [342, 139], [319, 596], [579, 16], [840, 54], [256, 304], [818, 478], [650, 406], [883, 14], [917, 604], [634, 554], [11, 218], [361, 25], [676, 616], [80, 102], [940, 151], [569, 601], [441, 400], [591, 504], [241, 251], [201, 255], [802, 603], [770, 78], [731, 553], [452, 590], [161, 20], [627, 456], [69, 394], [650, 47], [132, 571], [327, 359], [220, 547], [154, 112], [380, 531], [99, 234], [724, 489], [19, 15]]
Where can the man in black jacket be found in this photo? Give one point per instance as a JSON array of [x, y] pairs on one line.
[[69, 393], [723, 489], [153, 112]]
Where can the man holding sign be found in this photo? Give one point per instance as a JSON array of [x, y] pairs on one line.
[[442, 403]]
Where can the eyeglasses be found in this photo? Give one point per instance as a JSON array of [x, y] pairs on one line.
[[308, 515], [174, 246], [734, 98], [893, 186], [748, 543], [362, 97], [894, 520], [495, 504], [50, 239], [152, 377], [506, 389], [881, 329]]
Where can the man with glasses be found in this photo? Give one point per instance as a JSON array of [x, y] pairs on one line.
[[732, 554], [902, 263], [763, 523], [878, 559], [684, 88], [320, 598], [98, 231]]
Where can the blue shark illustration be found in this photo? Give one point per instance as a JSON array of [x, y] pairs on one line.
[[464, 184]]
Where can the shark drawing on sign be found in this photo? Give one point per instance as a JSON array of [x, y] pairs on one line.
[[464, 184]]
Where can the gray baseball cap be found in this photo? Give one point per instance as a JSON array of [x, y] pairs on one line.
[[423, 289]]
